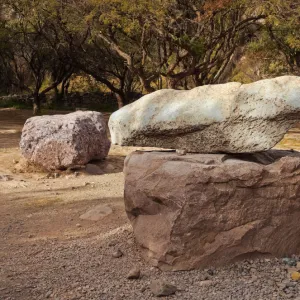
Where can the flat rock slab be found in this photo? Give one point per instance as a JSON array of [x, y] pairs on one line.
[[198, 210], [228, 117], [97, 213], [63, 141]]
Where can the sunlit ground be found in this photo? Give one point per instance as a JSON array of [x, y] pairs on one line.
[[291, 140]]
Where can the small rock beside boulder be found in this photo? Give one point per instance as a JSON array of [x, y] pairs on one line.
[[62, 141], [93, 169]]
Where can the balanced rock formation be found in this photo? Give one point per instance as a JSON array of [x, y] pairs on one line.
[[200, 210], [228, 117], [61, 141]]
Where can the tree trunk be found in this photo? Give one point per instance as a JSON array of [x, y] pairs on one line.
[[56, 97], [122, 99], [36, 104], [146, 85], [160, 83], [172, 83], [61, 94], [185, 83]]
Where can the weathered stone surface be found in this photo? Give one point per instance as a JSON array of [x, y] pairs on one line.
[[228, 117], [62, 141], [200, 210]]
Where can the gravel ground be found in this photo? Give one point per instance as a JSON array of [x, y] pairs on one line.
[[48, 252], [86, 269]]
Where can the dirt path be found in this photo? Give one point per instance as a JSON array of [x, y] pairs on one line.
[[48, 252], [38, 213], [11, 123], [46, 249]]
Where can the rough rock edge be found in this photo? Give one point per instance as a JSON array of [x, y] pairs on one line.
[[165, 260]]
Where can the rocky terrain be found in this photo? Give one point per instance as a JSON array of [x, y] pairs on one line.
[[48, 251]]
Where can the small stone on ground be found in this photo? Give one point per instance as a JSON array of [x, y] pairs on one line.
[[134, 273], [117, 254], [93, 169], [160, 288]]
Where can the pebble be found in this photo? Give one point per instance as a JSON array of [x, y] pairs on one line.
[[160, 288], [277, 270], [112, 243], [110, 167], [134, 273], [180, 152], [48, 295], [292, 262], [210, 272], [93, 169], [205, 283], [295, 276], [117, 254]]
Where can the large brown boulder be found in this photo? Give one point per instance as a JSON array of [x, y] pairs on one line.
[[61, 141], [200, 210]]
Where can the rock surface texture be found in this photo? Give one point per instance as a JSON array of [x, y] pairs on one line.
[[228, 117], [202, 210], [61, 141]]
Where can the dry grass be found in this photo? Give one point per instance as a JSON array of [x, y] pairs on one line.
[[43, 202], [290, 141]]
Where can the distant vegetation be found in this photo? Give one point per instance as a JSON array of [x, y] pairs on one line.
[[143, 45]]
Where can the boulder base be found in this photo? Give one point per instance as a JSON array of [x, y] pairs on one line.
[[199, 210], [62, 141]]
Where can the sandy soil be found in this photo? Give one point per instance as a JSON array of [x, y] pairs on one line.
[[291, 140], [47, 251], [36, 211]]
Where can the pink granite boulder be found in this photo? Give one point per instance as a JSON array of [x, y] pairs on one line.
[[62, 141]]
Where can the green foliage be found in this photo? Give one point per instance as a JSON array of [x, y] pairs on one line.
[[12, 102], [145, 45]]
